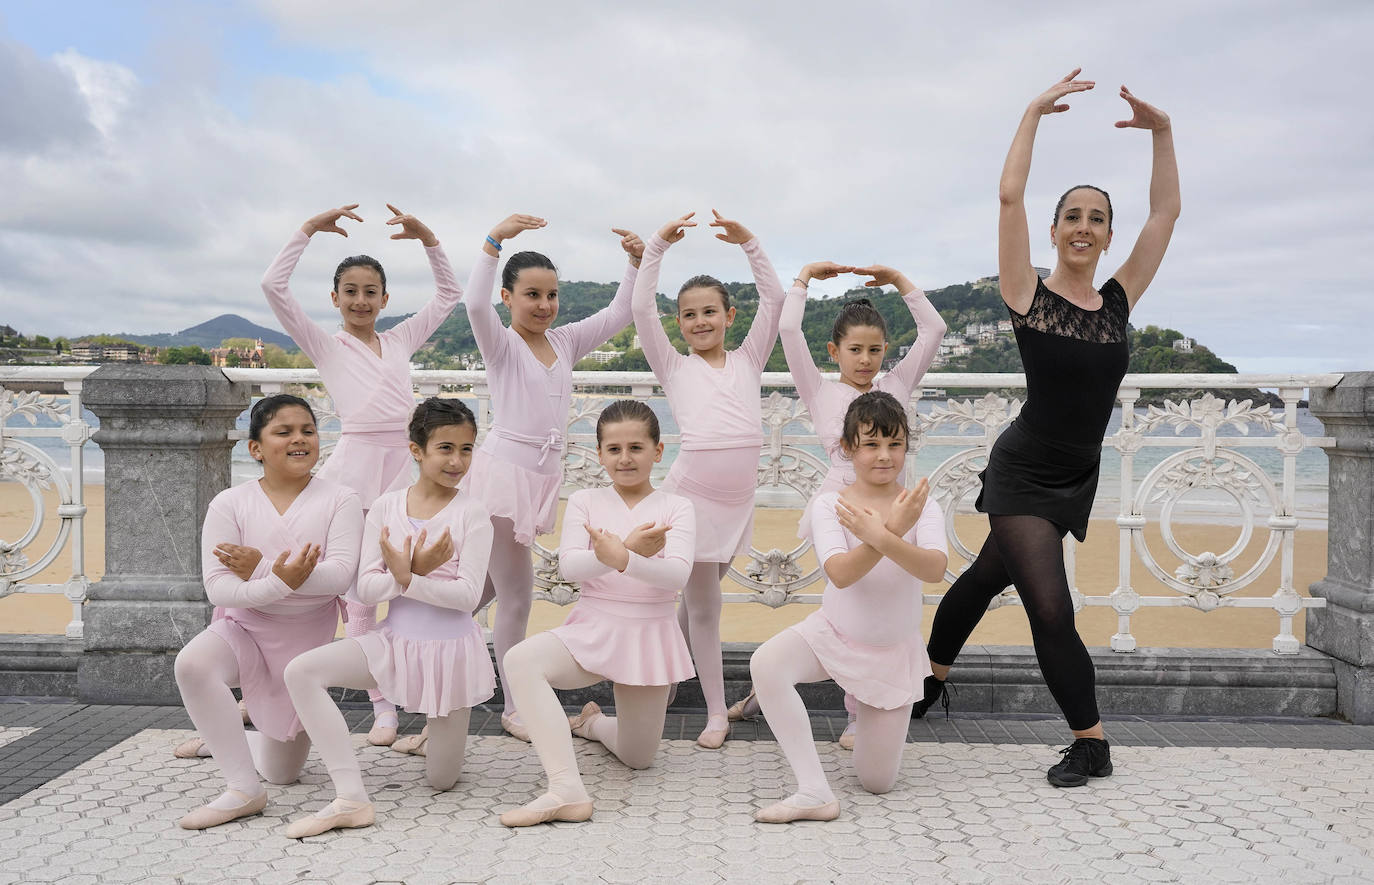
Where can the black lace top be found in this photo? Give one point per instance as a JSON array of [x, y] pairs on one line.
[[1074, 361]]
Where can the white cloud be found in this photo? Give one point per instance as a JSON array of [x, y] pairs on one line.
[[866, 132]]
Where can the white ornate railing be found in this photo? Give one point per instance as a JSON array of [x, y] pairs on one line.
[[36, 470], [1202, 460]]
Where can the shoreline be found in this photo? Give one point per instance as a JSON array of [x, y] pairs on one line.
[[1096, 574]]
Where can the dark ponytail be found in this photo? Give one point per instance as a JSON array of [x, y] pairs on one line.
[[522, 261], [359, 261], [859, 312]]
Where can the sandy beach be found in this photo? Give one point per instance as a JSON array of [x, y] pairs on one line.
[[1096, 574]]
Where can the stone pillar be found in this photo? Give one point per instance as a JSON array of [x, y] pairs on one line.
[[1345, 628], [165, 434]]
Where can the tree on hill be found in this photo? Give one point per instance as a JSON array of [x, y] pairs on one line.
[[179, 356]]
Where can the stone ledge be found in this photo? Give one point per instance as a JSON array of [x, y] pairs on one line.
[[987, 679], [38, 665]]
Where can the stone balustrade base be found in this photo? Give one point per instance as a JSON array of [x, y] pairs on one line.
[[987, 679]]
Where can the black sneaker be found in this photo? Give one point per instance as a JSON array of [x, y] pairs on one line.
[[1084, 758], [935, 690]]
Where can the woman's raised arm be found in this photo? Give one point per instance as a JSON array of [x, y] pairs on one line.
[[1135, 275], [1015, 275]]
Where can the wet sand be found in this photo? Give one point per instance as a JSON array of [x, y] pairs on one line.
[[1096, 574]]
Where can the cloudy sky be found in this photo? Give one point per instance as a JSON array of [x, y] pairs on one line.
[[155, 155]]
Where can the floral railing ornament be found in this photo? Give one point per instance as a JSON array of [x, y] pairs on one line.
[[1203, 461], [22, 462]]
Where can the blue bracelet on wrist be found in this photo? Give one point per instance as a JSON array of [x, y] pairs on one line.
[[495, 245]]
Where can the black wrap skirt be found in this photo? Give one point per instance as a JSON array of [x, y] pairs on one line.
[[1028, 475]]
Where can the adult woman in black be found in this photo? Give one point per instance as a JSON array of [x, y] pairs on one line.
[[1042, 472]]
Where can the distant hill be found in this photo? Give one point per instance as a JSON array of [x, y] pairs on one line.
[[211, 332]]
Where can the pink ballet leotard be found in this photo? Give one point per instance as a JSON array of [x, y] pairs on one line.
[[624, 626], [518, 469], [827, 401], [263, 620], [372, 395], [867, 636], [718, 410], [428, 655]]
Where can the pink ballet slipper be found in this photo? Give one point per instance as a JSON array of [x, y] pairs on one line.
[[579, 723], [383, 733], [785, 812], [207, 816], [573, 812], [713, 737], [515, 728], [847, 736], [343, 814], [190, 748], [414, 744], [746, 708]]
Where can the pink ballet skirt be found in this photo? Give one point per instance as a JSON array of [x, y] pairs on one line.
[[720, 483], [528, 498], [371, 462], [263, 645], [430, 676], [882, 676], [630, 643]]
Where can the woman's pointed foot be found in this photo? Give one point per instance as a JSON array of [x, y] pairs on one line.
[[337, 815], [933, 690]]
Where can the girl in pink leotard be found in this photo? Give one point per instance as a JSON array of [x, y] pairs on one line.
[[631, 548], [857, 344], [276, 554], [714, 395], [367, 374], [518, 469], [877, 542], [429, 654]]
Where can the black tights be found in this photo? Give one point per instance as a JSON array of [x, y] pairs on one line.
[[1026, 551]]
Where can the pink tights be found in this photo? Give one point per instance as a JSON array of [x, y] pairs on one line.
[[542, 663], [699, 618], [362, 619], [776, 668], [206, 670], [308, 678], [510, 581]]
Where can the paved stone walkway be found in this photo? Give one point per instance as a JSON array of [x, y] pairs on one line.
[[1192, 801]]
